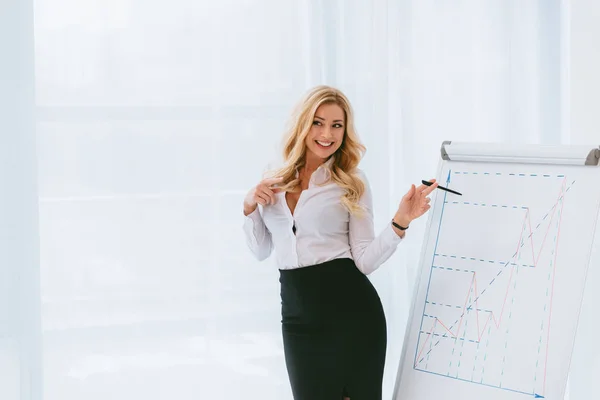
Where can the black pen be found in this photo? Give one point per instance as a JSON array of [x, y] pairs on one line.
[[427, 183]]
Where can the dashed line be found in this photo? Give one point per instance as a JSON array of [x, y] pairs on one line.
[[468, 203], [487, 343], [546, 303], [464, 334], [451, 306], [509, 174], [483, 260], [452, 269], [512, 302], [430, 344], [476, 356]]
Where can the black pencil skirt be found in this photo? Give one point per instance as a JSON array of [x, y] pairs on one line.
[[334, 332]]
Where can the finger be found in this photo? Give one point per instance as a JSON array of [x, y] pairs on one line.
[[261, 201], [423, 187], [269, 193], [411, 192], [272, 181], [430, 189], [262, 198]]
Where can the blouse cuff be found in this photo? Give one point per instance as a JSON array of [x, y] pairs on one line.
[[253, 218], [391, 235]]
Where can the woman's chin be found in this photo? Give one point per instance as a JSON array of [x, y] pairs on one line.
[[321, 153]]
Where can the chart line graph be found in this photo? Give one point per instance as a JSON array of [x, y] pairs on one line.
[[484, 320]]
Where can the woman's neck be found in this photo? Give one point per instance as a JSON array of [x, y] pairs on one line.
[[312, 162]]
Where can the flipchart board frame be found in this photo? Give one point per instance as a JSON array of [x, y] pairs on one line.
[[585, 155]]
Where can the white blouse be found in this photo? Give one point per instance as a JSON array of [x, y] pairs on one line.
[[325, 230]]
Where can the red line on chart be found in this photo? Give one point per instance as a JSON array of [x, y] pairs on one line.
[[445, 327], [535, 260], [552, 292], [465, 305], [477, 307], [531, 237], [492, 316], [426, 340]]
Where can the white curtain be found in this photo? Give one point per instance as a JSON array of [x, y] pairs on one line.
[[421, 72], [153, 120]]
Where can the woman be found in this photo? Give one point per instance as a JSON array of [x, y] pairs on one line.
[[316, 213]]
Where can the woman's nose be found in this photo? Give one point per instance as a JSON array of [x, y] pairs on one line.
[[326, 132]]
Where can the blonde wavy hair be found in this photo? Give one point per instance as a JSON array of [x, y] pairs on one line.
[[347, 156]]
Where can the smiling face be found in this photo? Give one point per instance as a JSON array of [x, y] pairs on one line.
[[327, 131]]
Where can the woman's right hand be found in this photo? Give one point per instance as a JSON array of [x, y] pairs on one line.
[[263, 193]]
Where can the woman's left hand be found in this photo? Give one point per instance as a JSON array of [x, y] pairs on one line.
[[414, 203]]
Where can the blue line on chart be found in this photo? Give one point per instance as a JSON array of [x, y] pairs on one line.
[[432, 260], [452, 306], [509, 174], [448, 337], [481, 383], [499, 272], [468, 203], [452, 269], [482, 260]]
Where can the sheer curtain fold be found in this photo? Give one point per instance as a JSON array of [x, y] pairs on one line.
[[421, 72], [20, 333], [154, 120]]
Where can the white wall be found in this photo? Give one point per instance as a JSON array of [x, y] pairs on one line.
[[584, 124], [108, 87], [584, 71], [20, 334]]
